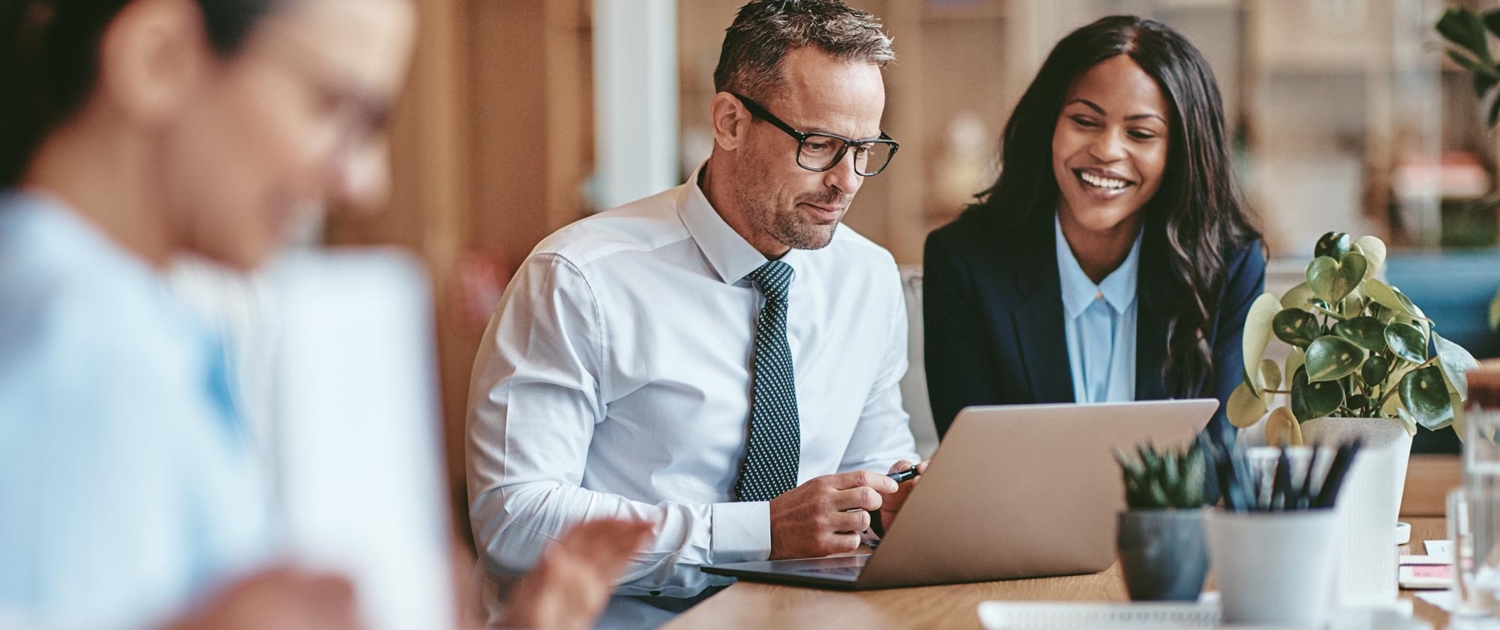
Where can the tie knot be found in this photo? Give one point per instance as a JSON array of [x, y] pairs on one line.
[[774, 279]]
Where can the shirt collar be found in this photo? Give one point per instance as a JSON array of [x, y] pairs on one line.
[[1078, 291], [731, 256]]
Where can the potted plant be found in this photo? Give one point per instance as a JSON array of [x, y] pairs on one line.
[[1161, 543], [1364, 361], [1468, 44]]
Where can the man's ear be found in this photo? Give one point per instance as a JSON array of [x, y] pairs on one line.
[[730, 119], [153, 57]]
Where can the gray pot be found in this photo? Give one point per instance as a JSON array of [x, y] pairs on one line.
[[1163, 554]]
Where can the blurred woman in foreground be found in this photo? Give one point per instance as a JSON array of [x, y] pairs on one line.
[[134, 131]]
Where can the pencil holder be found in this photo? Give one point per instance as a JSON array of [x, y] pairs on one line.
[[1273, 568]]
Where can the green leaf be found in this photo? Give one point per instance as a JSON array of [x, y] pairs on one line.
[[1458, 415], [1491, 21], [1483, 83], [1407, 421], [1258, 332], [1283, 428], [1381, 313], [1333, 245], [1194, 467], [1494, 113], [1270, 374], [1294, 361], [1464, 28], [1374, 251], [1331, 358], [1149, 459], [1365, 332], [1314, 400], [1425, 395], [1300, 296], [1296, 327], [1406, 341], [1353, 305], [1245, 408], [1387, 296], [1374, 371], [1479, 68], [1495, 310], [1333, 279], [1456, 363]]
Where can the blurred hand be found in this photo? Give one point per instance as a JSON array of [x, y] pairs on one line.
[[278, 599], [825, 515], [891, 503], [571, 585]]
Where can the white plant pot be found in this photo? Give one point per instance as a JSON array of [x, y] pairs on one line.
[[1368, 506]]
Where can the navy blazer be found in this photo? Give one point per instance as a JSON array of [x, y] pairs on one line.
[[993, 313]]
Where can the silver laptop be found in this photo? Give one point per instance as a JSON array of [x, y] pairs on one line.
[[358, 435], [1019, 491]]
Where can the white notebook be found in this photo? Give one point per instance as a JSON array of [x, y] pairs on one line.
[[1169, 615]]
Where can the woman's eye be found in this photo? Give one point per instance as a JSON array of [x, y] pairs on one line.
[[1084, 122], [1142, 135]]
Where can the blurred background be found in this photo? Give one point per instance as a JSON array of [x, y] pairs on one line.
[[525, 115]]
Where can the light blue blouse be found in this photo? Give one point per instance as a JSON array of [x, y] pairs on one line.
[[127, 482], [1100, 325]]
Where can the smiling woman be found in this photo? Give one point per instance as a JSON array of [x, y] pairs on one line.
[[1113, 260]]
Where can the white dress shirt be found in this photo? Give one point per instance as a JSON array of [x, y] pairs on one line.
[[614, 380], [1099, 321], [128, 485]]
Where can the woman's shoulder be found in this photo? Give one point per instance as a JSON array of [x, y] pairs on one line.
[[1247, 258], [990, 232]]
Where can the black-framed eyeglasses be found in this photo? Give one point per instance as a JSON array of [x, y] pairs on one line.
[[819, 152]]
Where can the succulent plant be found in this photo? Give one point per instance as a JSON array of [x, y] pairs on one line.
[[1166, 479]]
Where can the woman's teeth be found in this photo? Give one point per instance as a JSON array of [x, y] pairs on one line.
[[1103, 182]]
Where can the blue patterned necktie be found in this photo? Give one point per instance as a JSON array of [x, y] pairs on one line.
[[775, 448]]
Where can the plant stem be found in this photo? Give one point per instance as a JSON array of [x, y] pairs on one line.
[[1387, 397], [1330, 313]]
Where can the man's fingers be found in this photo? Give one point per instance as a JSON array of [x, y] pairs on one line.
[[850, 522], [861, 498], [841, 543], [858, 478]]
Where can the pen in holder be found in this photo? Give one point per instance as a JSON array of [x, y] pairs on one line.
[[1272, 542]]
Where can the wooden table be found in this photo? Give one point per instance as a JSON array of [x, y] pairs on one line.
[[771, 607]]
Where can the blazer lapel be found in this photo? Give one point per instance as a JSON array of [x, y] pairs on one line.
[[1039, 324], [1150, 351], [1156, 296]]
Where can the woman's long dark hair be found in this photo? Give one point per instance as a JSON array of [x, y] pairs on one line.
[[49, 63], [1197, 216]]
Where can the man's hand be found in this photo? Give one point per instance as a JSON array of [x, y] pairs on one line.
[[891, 503], [278, 599], [572, 584], [825, 515]]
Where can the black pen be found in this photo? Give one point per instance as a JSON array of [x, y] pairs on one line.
[[1336, 472], [903, 475]]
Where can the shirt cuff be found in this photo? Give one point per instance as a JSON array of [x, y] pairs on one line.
[[741, 532]]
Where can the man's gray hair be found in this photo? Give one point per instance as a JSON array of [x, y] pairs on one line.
[[766, 30]]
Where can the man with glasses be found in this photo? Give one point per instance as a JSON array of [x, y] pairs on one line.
[[720, 358]]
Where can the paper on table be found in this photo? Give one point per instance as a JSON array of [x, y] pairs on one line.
[[1440, 549]]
